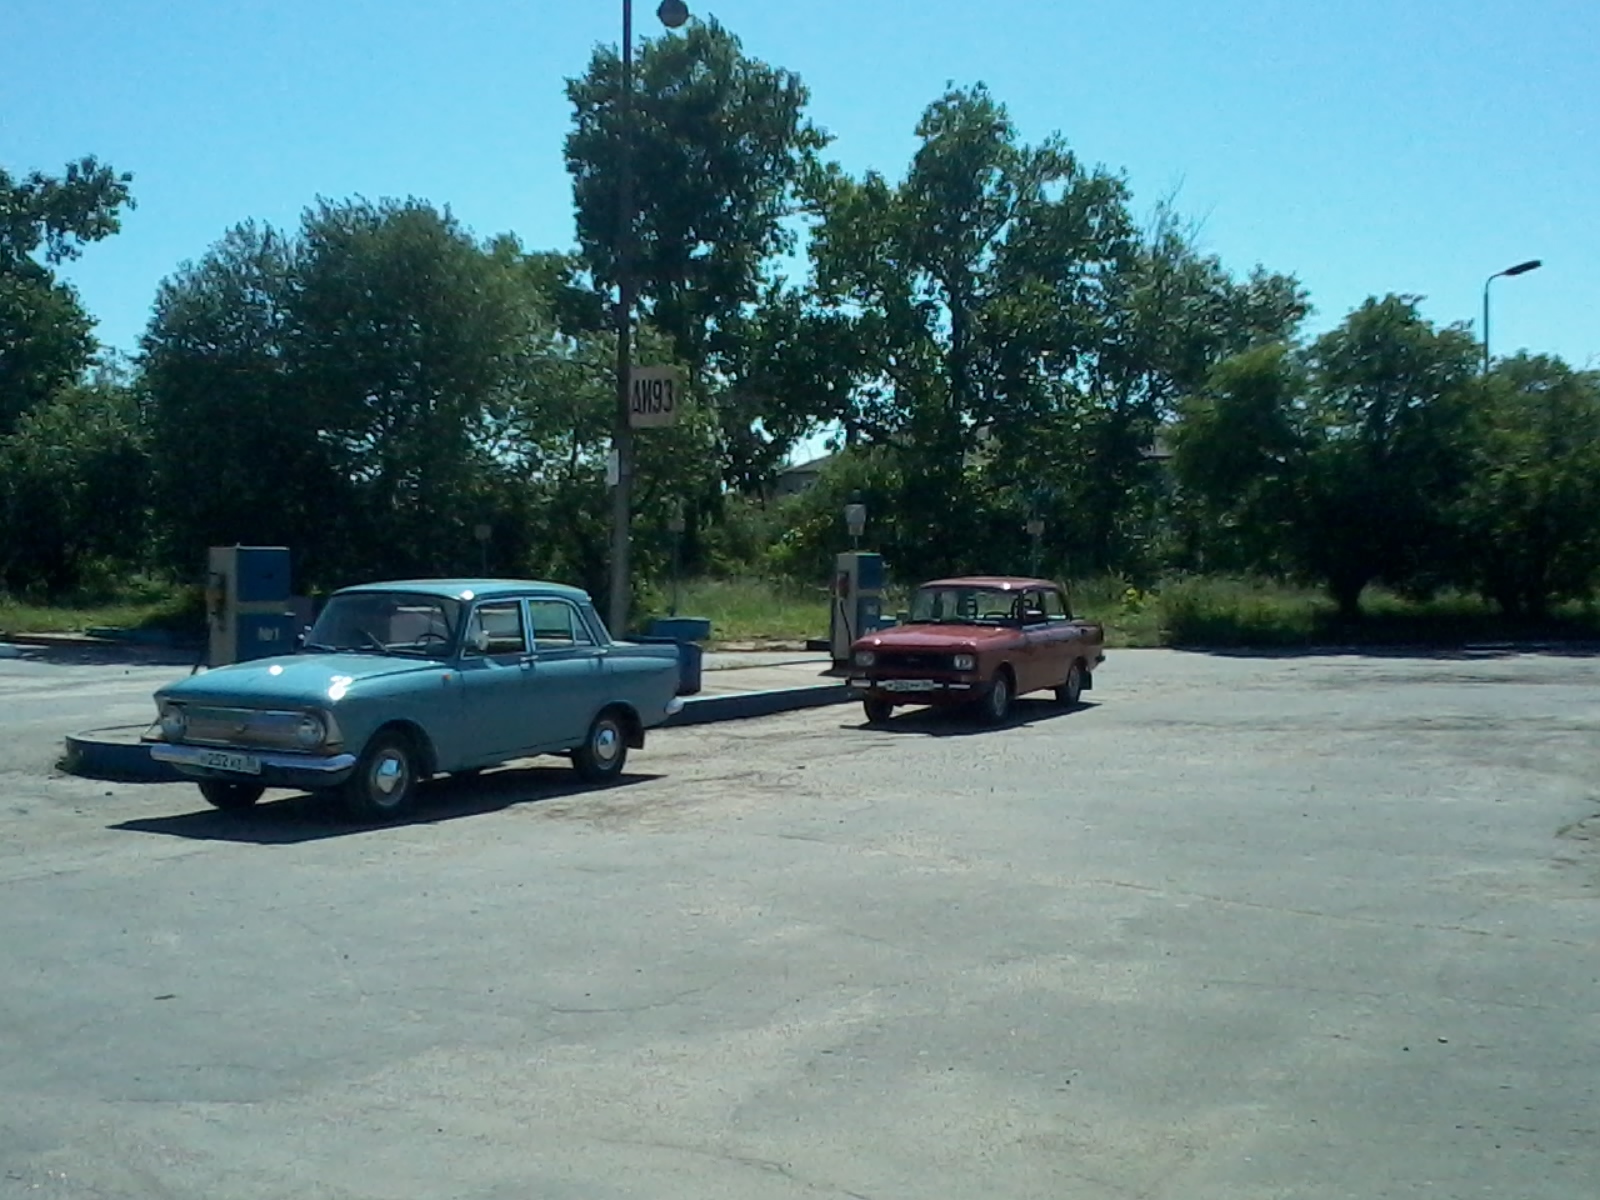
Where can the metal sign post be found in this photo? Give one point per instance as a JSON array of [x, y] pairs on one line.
[[653, 397]]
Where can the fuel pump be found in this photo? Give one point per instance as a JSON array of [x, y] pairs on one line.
[[857, 600], [247, 603]]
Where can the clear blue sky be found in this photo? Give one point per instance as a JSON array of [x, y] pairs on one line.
[[1366, 145]]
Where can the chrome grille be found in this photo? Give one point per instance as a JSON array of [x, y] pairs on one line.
[[904, 661], [258, 728]]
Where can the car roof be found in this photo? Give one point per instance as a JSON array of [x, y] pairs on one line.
[[473, 589], [1004, 583]]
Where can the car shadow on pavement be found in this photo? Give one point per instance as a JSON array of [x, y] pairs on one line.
[[306, 818], [936, 721]]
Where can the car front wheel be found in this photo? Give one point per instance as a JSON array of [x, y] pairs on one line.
[[604, 751], [996, 705], [230, 796], [385, 780], [877, 709]]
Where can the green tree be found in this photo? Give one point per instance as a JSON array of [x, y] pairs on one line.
[[45, 338], [73, 487], [405, 337], [1001, 319], [1239, 453], [720, 144], [1344, 463], [948, 291], [236, 449], [1387, 415], [1531, 514]]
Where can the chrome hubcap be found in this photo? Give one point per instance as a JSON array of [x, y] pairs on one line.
[[607, 742], [389, 775]]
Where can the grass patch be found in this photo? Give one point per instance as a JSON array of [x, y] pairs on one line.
[[748, 610], [1198, 612], [1222, 613], [143, 604]]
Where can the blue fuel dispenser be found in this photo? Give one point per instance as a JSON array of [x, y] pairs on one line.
[[858, 582], [247, 604]]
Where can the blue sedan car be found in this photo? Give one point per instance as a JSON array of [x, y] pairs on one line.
[[400, 681]]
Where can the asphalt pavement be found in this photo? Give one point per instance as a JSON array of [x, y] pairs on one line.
[[1236, 928]]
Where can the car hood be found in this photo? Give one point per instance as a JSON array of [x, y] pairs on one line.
[[302, 679], [952, 638]]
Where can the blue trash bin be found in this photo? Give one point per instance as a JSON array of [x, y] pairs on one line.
[[685, 633], [690, 660], [681, 629]]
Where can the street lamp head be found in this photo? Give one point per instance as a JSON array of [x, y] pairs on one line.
[[674, 14], [1533, 264]]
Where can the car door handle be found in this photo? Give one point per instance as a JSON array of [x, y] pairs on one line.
[[528, 662]]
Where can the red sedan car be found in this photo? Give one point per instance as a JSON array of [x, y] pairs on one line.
[[982, 640]]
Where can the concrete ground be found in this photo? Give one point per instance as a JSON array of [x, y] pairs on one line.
[[1236, 928]]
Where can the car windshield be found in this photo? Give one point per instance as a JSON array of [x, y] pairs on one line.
[[964, 606], [387, 623]]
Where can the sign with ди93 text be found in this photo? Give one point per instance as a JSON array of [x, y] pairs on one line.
[[653, 394]]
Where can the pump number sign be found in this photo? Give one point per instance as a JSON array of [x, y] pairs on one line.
[[653, 394]]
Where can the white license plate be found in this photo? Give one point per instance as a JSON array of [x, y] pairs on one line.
[[222, 760], [908, 685]]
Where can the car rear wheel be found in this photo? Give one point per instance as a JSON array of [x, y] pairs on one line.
[[877, 709], [996, 703], [604, 751], [1069, 692], [385, 780], [230, 796]]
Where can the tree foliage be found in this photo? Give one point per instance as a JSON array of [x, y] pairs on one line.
[[73, 487], [45, 338], [990, 333], [719, 145]]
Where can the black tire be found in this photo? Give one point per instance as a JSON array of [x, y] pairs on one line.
[[878, 710], [604, 751], [995, 706], [1068, 693], [230, 796], [385, 779]]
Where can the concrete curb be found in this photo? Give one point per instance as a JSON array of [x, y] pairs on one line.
[[117, 754], [739, 706]]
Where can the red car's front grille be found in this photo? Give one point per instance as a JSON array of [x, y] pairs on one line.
[[898, 660]]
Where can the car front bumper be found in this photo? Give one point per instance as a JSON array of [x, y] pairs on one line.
[[277, 768], [917, 691]]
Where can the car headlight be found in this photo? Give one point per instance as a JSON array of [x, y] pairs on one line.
[[865, 658], [311, 732], [965, 662], [174, 722]]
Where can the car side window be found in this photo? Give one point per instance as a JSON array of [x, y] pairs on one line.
[[496, 628], [1055, 607], [557, 626], [1030, 607]]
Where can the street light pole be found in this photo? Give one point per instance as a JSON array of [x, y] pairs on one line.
[[673, 13], [622, 436], [1522, 268]]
